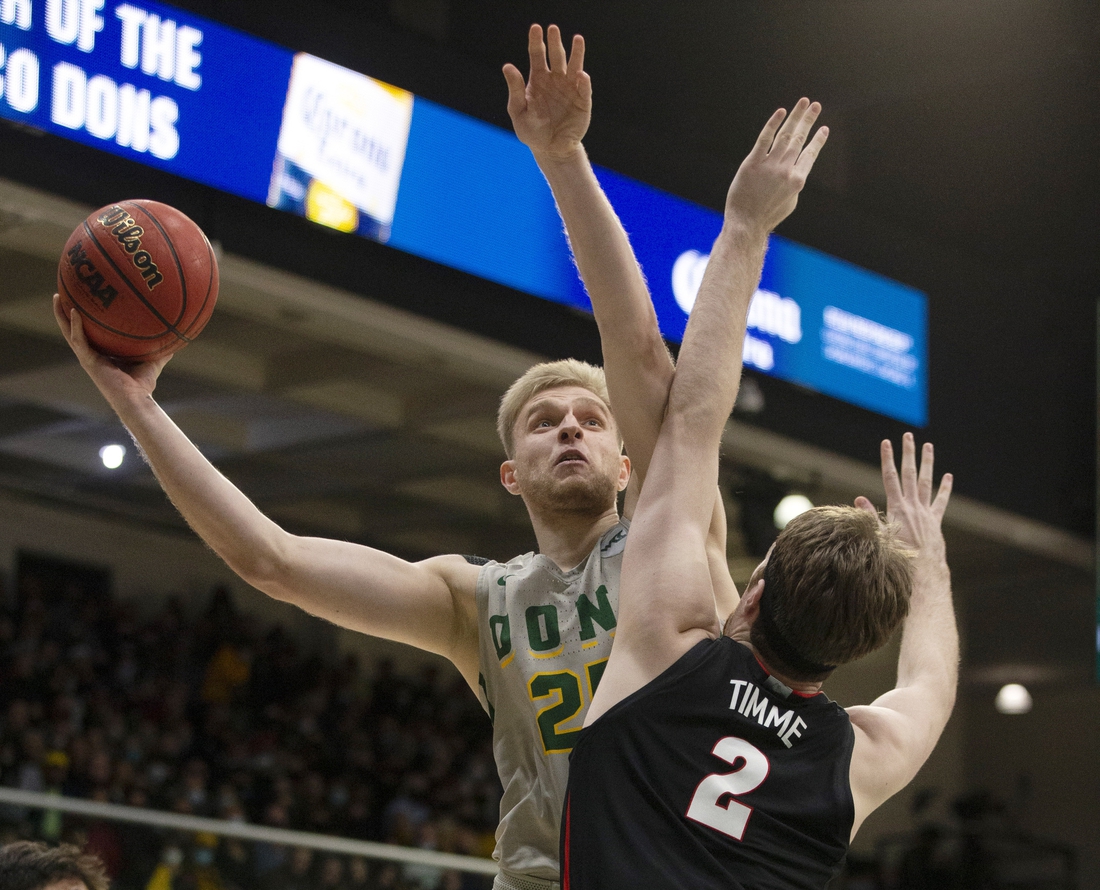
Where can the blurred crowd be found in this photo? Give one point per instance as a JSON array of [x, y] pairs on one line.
[[217, 716]]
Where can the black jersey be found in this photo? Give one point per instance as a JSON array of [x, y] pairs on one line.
[[713, 775]]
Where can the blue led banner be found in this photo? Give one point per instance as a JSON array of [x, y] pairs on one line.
[[184, 94]]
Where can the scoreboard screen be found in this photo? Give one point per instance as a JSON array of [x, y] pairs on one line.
[[171, 90]]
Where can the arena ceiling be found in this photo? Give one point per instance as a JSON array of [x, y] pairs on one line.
[[360, 404]]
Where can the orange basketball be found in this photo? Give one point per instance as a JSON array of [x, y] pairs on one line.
[[142, 276]]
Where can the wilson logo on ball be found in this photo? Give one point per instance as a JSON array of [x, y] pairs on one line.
[[128, 232], [142, 276]]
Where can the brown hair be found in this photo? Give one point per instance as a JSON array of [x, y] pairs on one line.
[[565, 372], [837, 585], [29, 865]]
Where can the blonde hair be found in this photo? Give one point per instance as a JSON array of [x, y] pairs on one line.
[[839, 583], [547, 375]]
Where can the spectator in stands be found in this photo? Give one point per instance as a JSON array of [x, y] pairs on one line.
[[27, 865], [334, 748], [358, 873], [296, 873], [330, 875]]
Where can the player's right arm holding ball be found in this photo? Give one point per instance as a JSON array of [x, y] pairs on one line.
[[429, 604]]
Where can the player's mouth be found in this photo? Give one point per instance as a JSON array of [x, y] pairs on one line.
[[571, 457]]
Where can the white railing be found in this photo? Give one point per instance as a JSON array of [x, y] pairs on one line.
[[247, 831]]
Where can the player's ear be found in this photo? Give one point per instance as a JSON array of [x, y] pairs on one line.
[[624, 472], [508, 477], [750, 599]]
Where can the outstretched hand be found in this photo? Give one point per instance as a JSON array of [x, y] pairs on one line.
[[552, 110], [134, 380], [766, 187], [909, 500]]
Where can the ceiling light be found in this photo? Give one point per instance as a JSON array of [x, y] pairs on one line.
[[790, 507], [1013, 699], [112, 455]]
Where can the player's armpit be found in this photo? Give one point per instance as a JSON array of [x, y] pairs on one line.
[[726, 596]]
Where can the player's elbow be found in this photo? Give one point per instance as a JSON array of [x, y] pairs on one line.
[[925, 733], [268, 565]]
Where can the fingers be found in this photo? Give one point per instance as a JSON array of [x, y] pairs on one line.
[[536, 49], [801, 123], [792, 135], [863, 503], [890, 481], [805, 162], [939, 505], [924, 476], [767, 135], [555, 49], [60, 317], [70, 323], [784, 137], [517, 89], [548, 55], [576, 56], [908, 464], [914, 483], [811, 112]]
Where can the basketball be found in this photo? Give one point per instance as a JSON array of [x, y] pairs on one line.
[[143, 277]]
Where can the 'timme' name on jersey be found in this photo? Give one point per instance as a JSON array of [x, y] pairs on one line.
[[751, 702]]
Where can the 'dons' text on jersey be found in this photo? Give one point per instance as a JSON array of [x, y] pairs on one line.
[[545, 636]]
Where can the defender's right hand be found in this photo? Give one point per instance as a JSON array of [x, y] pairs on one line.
[[765, 190]]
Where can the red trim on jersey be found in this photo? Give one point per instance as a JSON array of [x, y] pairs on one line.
[[767, 670], [565, 858]]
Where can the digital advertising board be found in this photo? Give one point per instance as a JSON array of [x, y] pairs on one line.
[[193, 97]]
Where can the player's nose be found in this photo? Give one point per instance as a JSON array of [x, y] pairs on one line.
[[570, 428]]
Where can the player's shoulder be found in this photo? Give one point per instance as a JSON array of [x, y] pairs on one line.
[[884, 743], [458, 572]]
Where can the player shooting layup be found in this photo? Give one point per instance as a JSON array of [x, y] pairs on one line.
[[530, 636]]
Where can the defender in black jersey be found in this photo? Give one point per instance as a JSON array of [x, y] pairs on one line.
[[697, 794], [710, 758]]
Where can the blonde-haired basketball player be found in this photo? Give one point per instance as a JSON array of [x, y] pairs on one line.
[[530, 636]]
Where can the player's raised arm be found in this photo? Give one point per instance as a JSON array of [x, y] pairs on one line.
[[428, 604], [675, 507], [897, 732], [763, 193], [551, 112]]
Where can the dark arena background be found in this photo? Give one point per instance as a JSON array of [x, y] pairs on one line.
[[348, 383]]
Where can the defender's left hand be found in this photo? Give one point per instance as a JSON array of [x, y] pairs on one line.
[[909, 500]]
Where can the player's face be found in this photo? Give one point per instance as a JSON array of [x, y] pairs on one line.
[[567, 453]]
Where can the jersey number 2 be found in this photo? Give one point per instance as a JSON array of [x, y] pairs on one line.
[[714, 803]]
